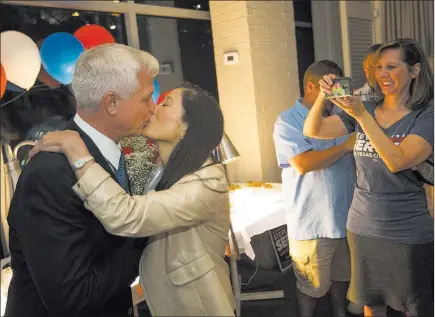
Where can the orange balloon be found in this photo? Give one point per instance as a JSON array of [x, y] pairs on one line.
[[3, 81]]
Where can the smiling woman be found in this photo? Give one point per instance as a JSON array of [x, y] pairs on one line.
[[401, 73], [389, 219]]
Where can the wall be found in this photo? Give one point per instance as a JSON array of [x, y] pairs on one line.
[[263, 83]]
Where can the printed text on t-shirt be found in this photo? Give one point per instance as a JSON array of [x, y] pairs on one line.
[[364, 148]]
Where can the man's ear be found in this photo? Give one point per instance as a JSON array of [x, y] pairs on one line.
[[415, 70], [309, 87], [109, 103]]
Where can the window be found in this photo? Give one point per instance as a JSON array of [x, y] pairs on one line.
[[40, 22], [43, 108], [305, 52], [302, 9], [184, 48], [304, 38], [180, 39], [193, 5]]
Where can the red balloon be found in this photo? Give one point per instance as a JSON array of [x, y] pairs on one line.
[[3, 81], [163, 96], [92, 35]]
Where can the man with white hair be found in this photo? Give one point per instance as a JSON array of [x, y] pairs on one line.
[[64, 262]]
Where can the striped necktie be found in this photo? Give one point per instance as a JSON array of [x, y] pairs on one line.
[[121, 174]]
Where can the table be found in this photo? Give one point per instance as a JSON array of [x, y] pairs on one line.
[[255, 210]]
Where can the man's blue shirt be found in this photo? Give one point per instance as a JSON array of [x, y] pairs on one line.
[[317, 203]]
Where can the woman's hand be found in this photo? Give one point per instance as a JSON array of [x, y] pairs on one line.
[[353, 106], [68, 142], [326, 83]]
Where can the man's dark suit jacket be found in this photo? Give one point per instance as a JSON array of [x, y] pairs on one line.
[[64, 262]]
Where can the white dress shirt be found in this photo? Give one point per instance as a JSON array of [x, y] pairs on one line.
[[110, 150]]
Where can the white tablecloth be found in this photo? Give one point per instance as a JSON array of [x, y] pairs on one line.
[[255, 210]]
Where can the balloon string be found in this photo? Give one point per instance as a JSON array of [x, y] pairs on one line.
[[12, 100], [20, 95]]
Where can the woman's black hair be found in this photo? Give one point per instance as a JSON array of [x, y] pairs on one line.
[[421, 88], [205, 129]]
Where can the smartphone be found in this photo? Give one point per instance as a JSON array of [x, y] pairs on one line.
[[341, 87]]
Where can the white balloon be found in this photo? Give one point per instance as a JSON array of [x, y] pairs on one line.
[[20, 58]]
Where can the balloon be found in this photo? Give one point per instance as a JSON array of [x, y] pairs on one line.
[[156, 92], [163, 96], [11, 87], [43, 76], [46, 79], [20, 58], [2, 81], [92, 35], [59, 53]]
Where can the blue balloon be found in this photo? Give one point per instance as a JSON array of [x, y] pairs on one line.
[[156, 93], [11, 87], [59, 54]]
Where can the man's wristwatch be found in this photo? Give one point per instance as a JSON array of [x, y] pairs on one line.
[[81, 162]]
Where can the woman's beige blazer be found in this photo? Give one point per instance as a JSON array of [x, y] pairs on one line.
[[182, 269]]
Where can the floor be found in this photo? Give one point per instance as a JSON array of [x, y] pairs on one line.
[[266, 280], [269, 277], [273, 279]]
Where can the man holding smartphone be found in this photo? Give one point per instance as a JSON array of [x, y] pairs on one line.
[[318, 179]]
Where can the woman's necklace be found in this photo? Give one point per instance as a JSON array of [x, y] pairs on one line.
[[383, 119], [383, 122]]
